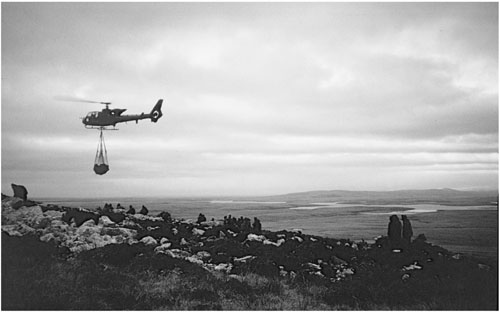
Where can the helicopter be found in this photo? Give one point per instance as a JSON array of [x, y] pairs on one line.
[[111, 117], [105, 118]]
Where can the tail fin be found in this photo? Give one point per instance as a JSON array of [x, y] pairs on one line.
[[156, 112]]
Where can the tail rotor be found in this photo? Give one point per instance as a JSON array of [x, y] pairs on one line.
[[156, 112]]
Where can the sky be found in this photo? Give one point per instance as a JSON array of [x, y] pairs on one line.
[[259, 98]]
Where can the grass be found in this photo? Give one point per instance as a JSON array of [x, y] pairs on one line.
[[41, 276]]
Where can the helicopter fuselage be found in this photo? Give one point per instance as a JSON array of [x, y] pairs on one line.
[[111, 117]]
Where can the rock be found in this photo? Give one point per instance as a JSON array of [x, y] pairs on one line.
[[87, 231], [198, 232], [346, 271], [244, 259], [12, 203], [115, 217], [142, 217], [164, 240], [163, 248], [149, 241], [125, 233], [80, 216], [405, 277], [224, 267], [89, 223], [20, 191], [203, 255], [194, 260], [277, 244], [457, 256], [254, 237], [31, 216], [12, 230], [183, 242], [314, 266], [412, 267], [53, 214], [484, 267], [106, 221], [48, 237], [82, 247], [177, 254], [297, 238]]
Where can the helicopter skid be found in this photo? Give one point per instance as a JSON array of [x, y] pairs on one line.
[[100, 128]]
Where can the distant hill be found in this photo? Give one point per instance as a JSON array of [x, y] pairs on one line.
[[444, 196]]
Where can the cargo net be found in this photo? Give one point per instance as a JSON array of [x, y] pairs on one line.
[[101, 158]]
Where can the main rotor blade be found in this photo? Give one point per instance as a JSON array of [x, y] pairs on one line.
[[75, 99]]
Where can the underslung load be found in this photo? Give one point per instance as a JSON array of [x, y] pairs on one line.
[[106, 119], [101, 165]]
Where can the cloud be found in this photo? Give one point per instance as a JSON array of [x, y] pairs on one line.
[[258, 96]]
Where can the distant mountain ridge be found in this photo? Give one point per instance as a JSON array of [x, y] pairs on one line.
[[445, 196]]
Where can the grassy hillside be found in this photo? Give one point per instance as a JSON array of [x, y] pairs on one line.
[[117, 261]]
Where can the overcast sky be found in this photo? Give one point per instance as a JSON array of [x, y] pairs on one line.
[[259, 98]]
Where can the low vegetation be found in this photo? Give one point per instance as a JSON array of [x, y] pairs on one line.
[[43, 276]]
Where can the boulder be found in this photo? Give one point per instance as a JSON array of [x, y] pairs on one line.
[[177, 253], [223, 267], [12, 230], [89, 223], [254, 237], [194, 260], [277, 244], [149, 241], [80, 216], [198, 232], [163, 248], [411, 267], [87, 231], [31, 216], [12, 203], [203, 255], [119, 231], [48, 237], [20, 191], [115, 217], [105, 221]]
